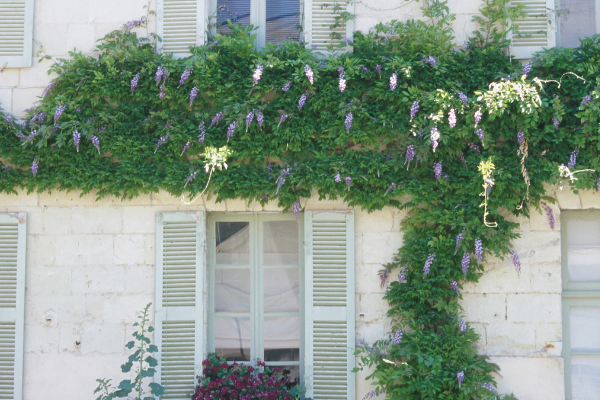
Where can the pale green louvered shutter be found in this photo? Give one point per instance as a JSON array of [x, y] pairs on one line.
[[180, 24], [16, 33], [536, 28], [330, 331], [180, 246], [12, 299], [319, 16]]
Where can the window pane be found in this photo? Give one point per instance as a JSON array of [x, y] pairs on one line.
[[282, 338], [282, 290], [584, 250], [281, 243], [585, 377], [577, 20], [283, 20], [585, 325], [232, 338], [233, 243], [232, 290], [238, 11]]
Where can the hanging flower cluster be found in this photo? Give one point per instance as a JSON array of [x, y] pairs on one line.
[[428, 263]]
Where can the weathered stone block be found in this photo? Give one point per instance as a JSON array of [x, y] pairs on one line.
[[567, 200], [6, 103], [379, 248], [106, 338], [41, 251], [501, 278], [375, 222], [539, 247], [10, 78], [24, 98], [98, 279], [484, 308], [367, 280], [533, 308], [546, 278], [84, 250], [547, 335], [236, 205], [41, 338], [48, 281], [139, 279], [510, 339], [20, 199], [590, 199], [96, 219], [53, 310], [70, 338], [122, 309], [539, 221], [130, 249], [371, 307]]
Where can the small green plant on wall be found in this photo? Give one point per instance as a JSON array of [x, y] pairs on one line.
[[140, 362]]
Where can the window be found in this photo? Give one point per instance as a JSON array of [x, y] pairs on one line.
[[576, 19], [278, 289], [185, 23], [581, 303], [255, 289], [16, 33], [536, 27]]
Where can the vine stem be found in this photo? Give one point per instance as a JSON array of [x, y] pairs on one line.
[[201, 193]]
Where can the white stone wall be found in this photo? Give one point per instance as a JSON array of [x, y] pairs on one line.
[[61, 26], [90, 268]]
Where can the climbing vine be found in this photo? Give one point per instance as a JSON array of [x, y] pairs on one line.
[[459, 138]]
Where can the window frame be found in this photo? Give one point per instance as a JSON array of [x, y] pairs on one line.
[[557, 20], [574, 294], [257, 314], [258, 18]]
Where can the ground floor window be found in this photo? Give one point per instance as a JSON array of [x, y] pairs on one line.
[[255, 273]]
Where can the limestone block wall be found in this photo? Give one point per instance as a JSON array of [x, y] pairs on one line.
[[90, 268], [61, 26]]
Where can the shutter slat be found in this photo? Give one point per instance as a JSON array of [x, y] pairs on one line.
[[180, 242], [330, 305]]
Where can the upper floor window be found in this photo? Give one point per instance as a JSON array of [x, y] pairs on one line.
[[576, 19], [581, 303], [185, 23]]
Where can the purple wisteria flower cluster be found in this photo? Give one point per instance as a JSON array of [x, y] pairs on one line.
[[34, 166], [201, 133], [337, 178], [435, 137], [76, 138], [454, 285], [549, 214], [573, 159], [452, 118], [193, 94], [598, 184], [473, 146], [309, 74], [259, 118], [372, 394], [257, 74], [342, 82], [184, 77], [249, 119], [218, 117], [410, 153], [516, 261], [134, 82], [384, 276], [478, 116], [463, 98], [462, 158], [161, 93], [586, 99], [428, 263], [159, 74], [286, 86], [390, 188], [29, 137], [301, 102], [393, 81], [282, 119], [231, 130], [348, 181], [555, 122], [462, 325], [459, 239], [49, 88], [58, 113], [402, 274], [95, 142], [520, 137], [480, 134], [281, 180], [527, 68], [479, 250], [437, 170], [398, 337], [460, 377], [348, 122], [185, 148], [413, 109], [466, 260], [160, 142], [489, 387], [296, 208], [431, 61], [38, 117], [8, 119], [190, 178], [378, 69]]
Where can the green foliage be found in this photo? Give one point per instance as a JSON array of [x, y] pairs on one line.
[[142, 362], [287, 160]]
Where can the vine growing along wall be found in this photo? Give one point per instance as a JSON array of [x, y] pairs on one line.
[[458, 137]]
